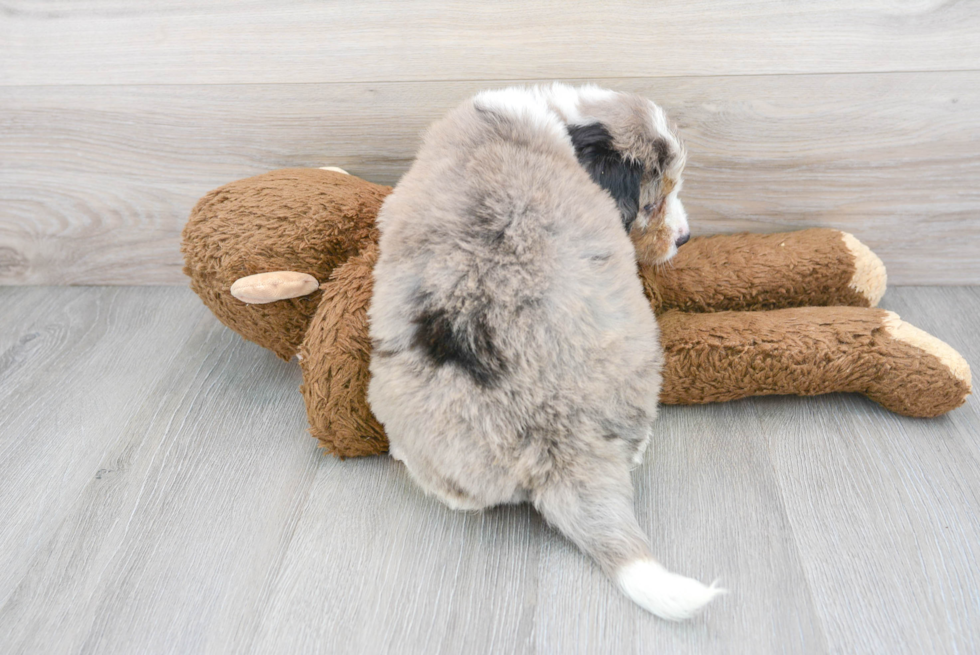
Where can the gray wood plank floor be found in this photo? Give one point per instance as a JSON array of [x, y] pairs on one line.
[[159, 494]]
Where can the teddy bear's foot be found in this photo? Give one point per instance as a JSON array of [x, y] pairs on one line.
[[921, 375], [869, 278]]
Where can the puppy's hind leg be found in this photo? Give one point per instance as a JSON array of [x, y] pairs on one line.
[[595, 511]]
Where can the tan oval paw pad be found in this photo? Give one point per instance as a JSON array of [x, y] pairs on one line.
[[263, 288]]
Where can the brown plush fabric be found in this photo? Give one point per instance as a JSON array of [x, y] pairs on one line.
[[803, 351], [323, 224], [735, 272], [335, 356], [296, 219]]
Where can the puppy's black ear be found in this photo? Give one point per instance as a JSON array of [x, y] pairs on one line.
[[609, 169]]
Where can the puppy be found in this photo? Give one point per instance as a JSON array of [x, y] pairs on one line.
[[515, 357]]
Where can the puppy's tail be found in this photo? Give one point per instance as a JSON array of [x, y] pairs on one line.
[[597, 514]]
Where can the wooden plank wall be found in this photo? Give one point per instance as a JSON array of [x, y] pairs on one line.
[[115, 116]]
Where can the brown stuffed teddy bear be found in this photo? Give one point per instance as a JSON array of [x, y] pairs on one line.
[[285, 259]]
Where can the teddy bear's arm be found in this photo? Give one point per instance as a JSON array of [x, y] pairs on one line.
[[714, 357], [334, 356], [767, 271]]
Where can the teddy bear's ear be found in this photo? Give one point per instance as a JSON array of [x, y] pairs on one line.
[[620, 176]]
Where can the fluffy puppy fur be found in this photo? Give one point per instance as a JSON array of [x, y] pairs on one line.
[[515, 357]]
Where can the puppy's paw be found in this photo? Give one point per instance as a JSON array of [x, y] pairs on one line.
[[668, 595]]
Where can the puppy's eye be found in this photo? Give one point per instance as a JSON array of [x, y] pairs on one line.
[[653, 206]]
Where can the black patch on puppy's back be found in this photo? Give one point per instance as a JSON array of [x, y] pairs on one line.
[[466, 343], [609, 169]]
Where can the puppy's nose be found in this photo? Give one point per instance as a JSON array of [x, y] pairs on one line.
[[682, 239]]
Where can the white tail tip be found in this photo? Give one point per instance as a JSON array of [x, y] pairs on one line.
[[668, 595]]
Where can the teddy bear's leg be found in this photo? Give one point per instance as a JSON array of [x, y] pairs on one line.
[[722, 356], [334, 356], [767, 271]]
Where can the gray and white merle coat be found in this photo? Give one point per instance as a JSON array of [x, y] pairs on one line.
[[515, 356]]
